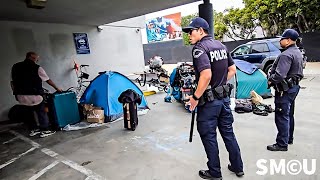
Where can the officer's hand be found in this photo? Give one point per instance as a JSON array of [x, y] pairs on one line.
[[269, 82], [192, 102]]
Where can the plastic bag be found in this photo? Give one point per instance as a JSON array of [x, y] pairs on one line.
[[256, 98]]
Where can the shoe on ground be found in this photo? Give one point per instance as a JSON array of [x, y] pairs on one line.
[[276, 147], [204, 174], [46, 133], [290, 142], [34, 132], [239, 174]]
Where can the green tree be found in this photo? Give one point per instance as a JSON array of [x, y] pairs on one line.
[[185, 21], [219, 27], [273, 16], [240, 23], [304, 14], [276, 15]]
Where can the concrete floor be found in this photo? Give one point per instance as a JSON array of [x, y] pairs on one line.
[[159, 148]]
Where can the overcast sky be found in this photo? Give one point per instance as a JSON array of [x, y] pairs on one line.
[[218, 5]]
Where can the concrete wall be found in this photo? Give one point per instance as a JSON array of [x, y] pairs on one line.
[[117, 47], [311, 43], [171, 51]]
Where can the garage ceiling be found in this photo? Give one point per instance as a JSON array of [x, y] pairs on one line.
[[83, 12]]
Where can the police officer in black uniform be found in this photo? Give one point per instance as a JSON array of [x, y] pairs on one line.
[[213, 67], [284, 76]]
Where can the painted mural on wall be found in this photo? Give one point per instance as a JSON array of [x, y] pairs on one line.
[[164, 28]]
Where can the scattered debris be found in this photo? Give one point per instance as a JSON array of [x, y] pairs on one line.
[[136, 137], [83, 125], [312, 78], [86, 163], [148, 93]]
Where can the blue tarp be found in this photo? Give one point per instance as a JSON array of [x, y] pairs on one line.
[[175, 89], [104, 91], [245, 67]]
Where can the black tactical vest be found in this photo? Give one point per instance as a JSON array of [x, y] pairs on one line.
[[25, 78]]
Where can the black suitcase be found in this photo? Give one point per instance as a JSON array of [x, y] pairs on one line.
[[129, 100], [130, 115]]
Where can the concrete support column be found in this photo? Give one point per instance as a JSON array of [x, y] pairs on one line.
[[206, 12]]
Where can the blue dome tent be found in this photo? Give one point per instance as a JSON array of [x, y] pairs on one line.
[[104, 91]]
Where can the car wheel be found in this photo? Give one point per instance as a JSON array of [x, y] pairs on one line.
[[267, 69]]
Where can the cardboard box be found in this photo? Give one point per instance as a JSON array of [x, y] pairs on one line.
[[94, 114]]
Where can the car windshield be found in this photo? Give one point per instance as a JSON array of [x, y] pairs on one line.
[[259, 48], [242, 50]]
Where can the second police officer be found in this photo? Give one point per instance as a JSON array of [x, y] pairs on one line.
[[284, 76], [213, 67]]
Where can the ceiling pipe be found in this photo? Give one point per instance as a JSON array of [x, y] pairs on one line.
[[206, 12]]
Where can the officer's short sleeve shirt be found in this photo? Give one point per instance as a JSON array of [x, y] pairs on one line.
[[230, 60], [200, 59]]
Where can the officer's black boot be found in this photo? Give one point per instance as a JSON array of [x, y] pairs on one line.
[[239, 174], [276, 147], [204, 174]]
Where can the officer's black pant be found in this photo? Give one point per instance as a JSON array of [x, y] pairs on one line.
[[291, 116], [284, 115], [210, 116]]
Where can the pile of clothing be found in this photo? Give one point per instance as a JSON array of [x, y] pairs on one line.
[[254, 105]]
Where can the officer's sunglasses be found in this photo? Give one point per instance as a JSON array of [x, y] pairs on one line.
[[191, 30]]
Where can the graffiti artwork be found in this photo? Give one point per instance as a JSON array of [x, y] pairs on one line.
[[164, 28]]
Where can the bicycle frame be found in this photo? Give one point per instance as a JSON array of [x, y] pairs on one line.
[[81, 87]]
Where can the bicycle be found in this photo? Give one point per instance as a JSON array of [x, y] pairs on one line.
[[82, 84]]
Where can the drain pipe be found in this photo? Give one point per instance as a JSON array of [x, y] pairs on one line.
[[206, 12]]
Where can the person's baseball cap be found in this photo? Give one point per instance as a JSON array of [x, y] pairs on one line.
[[196, 23], [290, 34]]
